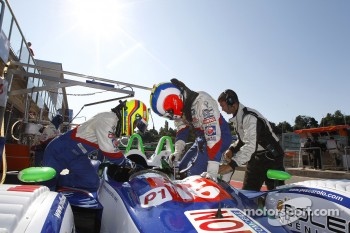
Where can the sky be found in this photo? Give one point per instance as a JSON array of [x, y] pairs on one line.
[[283, 58]]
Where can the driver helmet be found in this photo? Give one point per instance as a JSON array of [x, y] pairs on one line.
[[134, 115], [166, 101]]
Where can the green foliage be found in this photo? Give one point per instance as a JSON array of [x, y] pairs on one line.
[[150, 136], [305, 122], [283, 127], [335, 119]]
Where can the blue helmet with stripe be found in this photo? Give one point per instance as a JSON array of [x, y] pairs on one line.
[[166, 100]]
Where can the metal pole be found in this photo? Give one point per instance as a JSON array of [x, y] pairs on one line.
[[81, 75], [9, 78], [300, 158], [321, 159], [345, 119], [346, 158], [2, 13]]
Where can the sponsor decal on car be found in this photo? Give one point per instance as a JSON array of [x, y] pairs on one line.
[[305, 209], [227, 220], [194, 189]]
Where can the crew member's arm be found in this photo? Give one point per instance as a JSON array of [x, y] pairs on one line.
[[107, 141]]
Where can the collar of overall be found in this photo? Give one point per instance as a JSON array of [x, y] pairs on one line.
[[189, 97]]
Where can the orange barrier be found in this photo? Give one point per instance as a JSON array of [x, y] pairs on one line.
[[290, 153]]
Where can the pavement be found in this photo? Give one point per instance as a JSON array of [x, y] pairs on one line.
[[312, 173], [322, 174]]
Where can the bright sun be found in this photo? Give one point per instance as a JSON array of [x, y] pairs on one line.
[[102, 17]]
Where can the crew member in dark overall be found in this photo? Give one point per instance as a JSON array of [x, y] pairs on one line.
[[257, 145], [317, 148]]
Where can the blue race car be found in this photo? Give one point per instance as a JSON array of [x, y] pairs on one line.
[[149, 199]]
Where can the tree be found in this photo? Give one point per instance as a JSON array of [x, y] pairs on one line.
[[335, 119], [305, 122], [301, 122], [150, 136], [283, 127], [166, 131]]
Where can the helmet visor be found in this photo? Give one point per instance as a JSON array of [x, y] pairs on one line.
[[141, 124]]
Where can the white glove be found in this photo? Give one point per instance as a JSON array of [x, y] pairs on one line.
[[179, 149], [212, 171]]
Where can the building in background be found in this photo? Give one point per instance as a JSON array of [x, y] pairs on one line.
[[28, 100]]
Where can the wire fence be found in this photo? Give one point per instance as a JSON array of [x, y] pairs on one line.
[[304, 158]]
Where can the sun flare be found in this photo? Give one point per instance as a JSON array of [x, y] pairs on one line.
[[101, 17]]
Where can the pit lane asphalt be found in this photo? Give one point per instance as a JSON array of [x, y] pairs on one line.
[[302, 174]]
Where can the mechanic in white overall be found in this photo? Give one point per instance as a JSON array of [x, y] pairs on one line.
[[257, 145], [96, 138]]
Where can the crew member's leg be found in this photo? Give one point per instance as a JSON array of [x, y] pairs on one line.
[[275, 164], [255, 174], [82, 174]]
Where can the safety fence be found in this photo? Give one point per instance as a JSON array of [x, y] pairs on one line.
[[303, 158]]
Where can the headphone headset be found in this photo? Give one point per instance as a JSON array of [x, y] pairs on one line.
[[229, 99]]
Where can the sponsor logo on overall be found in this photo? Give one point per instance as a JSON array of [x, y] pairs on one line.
[[210, 130]]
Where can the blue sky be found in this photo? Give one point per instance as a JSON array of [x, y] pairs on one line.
[[283, 58]]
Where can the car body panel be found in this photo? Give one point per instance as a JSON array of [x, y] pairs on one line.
[[34, 208]]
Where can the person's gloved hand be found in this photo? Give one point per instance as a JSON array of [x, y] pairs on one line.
[[179, 149], [212, 171], [173, 158]]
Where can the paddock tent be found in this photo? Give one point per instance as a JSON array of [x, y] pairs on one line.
[[341, 134], [340, 130]]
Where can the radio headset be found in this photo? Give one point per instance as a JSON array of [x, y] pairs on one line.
[[230, 100]]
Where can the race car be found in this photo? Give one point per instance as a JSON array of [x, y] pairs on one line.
[[34, 208], [311, 206], [150, 199], [151, 202]]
